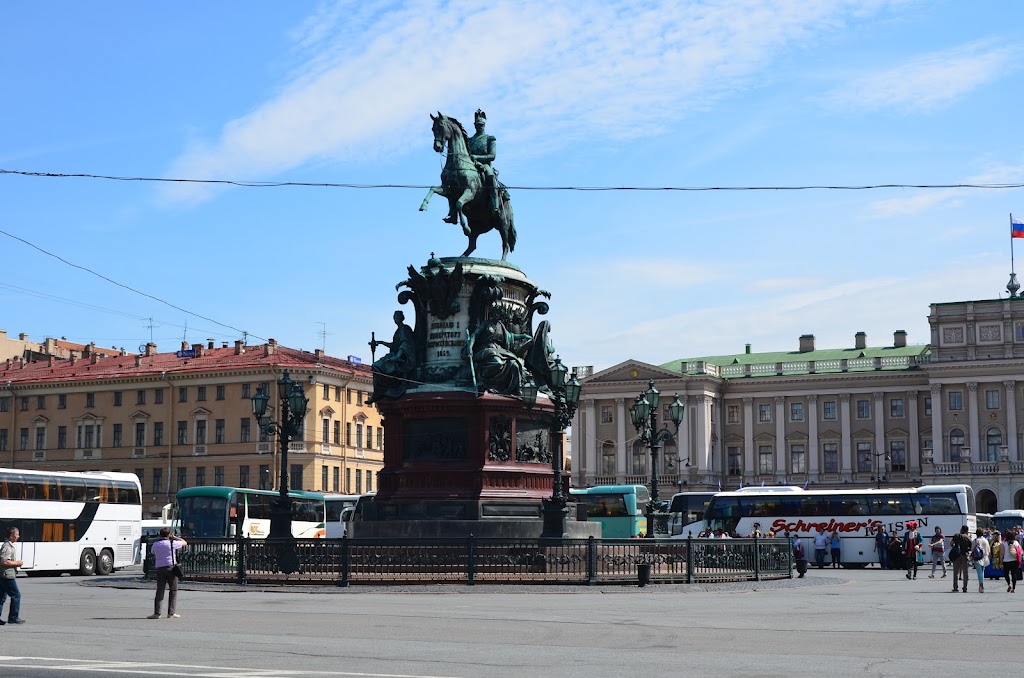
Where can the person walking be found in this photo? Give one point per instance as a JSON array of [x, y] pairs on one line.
[[882, 547], [959, 553], [165, 551], [1011, 557], [996, 549], [8, 575], [836, 547], [912, 544], [800, 556], [938, 549], [980, 552], [820, 544]]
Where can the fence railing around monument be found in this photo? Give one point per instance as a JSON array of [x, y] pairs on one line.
[[472, 560]]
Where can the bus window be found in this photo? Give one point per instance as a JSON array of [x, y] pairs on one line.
[[941, 504], [72, 489], [13, 486], [258, 507]]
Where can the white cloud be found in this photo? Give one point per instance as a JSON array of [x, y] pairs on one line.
[[927, 82], [553, 72]]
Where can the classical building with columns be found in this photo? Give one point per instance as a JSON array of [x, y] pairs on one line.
[[863, 416]]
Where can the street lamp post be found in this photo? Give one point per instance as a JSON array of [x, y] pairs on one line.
[[880, 473], [644, 414], [293, 411], [565, 396]]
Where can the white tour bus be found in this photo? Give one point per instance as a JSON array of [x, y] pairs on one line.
[[85, 523], [1007, 519], [335, 505], [855, 514]]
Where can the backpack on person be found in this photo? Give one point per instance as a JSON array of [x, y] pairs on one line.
[[954, 551], [977, 552]]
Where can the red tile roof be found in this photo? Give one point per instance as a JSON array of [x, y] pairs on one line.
[[211, 360]]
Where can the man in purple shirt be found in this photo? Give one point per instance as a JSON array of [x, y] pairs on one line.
[[165, 556]]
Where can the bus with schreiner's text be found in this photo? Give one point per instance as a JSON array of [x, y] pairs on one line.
[[83, 523], [855, 515], [216, 512], [618, 508]]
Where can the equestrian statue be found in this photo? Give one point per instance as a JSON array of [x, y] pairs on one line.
[[476, 199]]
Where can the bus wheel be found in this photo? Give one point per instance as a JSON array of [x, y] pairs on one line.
[[87, 564], [105, 563]]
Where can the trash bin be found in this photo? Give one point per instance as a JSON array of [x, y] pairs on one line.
[[643, 574]]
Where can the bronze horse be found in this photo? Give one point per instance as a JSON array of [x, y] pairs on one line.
[[463, 184]]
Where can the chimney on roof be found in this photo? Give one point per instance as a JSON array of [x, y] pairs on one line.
[[198, 348], [184, 345], [8, 363], [49, 361], [93, 357], [138, 361], [122, 351], [3, 334], [22, 362], [223, 344], [50, 345], [23, 337], [239, 347], [209, 343], [271, 346], [87, 351], [860, 340], [806, 343], [150, 349], [747, 351], [899, 338], [74, 357], [319, 353]]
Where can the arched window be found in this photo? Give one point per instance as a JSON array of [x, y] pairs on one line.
[[993, 441], [608, 458], [638, 461], [956, 442]]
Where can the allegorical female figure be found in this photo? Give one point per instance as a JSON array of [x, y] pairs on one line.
[[392, 373]]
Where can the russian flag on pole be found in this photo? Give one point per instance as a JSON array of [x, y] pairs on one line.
[[1016, 227]]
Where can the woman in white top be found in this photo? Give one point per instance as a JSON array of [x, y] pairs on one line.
[[980, 547], [1011, 569]]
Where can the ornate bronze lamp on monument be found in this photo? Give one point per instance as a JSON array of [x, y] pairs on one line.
[[474, 400]]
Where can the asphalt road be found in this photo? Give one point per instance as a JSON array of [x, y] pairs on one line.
[[832, 623]]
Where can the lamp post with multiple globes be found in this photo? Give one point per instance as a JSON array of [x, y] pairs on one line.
[[644, 415]]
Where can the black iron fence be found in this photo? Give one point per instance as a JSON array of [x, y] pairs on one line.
[[473, 560]]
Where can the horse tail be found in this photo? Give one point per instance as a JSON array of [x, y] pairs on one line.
[[511, 227]]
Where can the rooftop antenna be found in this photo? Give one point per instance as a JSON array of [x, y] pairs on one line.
[[150, 328], [184, 334], [323, 336]]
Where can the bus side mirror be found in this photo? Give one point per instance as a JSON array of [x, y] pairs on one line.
[[232, 530], [346, 514]]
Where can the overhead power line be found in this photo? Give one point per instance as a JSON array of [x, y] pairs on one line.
[[328, 184]]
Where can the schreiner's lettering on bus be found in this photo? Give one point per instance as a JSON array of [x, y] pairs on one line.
[[842, 526]]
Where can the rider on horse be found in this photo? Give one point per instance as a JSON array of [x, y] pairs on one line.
[[482, 150]]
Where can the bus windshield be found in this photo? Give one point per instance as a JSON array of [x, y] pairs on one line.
[[619, 508], [203, 517], [686, 513]]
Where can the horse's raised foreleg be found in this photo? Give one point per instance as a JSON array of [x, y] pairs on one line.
[[430, 193], [472, 244], [457, 215]]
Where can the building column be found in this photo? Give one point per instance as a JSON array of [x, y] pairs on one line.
[[623, 460], [1011, 419], [939, 453], [972, 421], [579, 453], [590, 432], [846, 447], [781, 468], [914, 448], [748, 438], [812, 435], [718, 463], [683, 448], [701, 445], [879, 461]]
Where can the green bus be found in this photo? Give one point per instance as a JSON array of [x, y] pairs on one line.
[[215, 512], [619, 508]]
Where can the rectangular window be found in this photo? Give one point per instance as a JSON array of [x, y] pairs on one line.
[[348, 480], [735, 461], [244, 430], [117, 435], [296, 478], [325, 430], [359, 481], [118, 398], [896, 408], [5, 404], [606, 414], [62, 402], [200, 431], [337, 433], [183, 433], [927, 407], [348, 434], [218, 475], [798, 458], [265, 483], [243, 476], [62, 437], [23, 403], [765, 459], [369, 437], [828, 410], [90, 400], [337, 479], [140, 434], [359, 397], [830, 457], [182, 478], [992, 400], [140, 397], [220, 392], [3, 439], [201, 393], [158, 433], [158, 480], [183, 394], [764, 412], [956, 401], [732, 414], [863, 409], [246, 391], [348, 396], [200, 476], [898, 455], [359, 436], [327, 396], [158, 396], [796, 411], [40, 402], [337, 394], [380, 437], [369, 481], [218, 433], [864, 458], [40, 438], [323, 478]]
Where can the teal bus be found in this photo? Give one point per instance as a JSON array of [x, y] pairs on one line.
[[619, 508], [215, 512]]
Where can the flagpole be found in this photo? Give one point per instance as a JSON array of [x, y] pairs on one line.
[[1012, 270]]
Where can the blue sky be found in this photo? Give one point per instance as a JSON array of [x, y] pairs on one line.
[[742, 93]]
